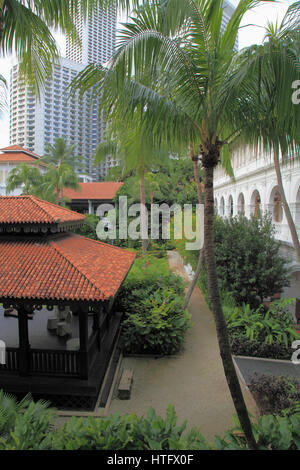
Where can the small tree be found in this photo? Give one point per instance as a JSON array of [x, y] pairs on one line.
[[24, 176], [249, 265]]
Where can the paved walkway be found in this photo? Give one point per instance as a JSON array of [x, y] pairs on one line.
[[193, 381], [249, 366]]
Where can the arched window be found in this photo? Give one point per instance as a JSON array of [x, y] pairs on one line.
[[222, 206], [230, 206], [277, 207], [241, 204], [216, 205], [256, 204]]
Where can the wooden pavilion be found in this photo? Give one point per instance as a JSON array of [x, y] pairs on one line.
[[44, 267]]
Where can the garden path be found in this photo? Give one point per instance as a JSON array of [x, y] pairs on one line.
[[193, 381]]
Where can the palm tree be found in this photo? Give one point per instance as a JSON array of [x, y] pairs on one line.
[[60, 152], [62, 162], [56, 179], [25, 30], [195, 160], [136, 151], [277, 127], [199, 92], [153, 185], [26, 176]]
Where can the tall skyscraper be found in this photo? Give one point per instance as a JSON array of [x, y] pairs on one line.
[[97, 35], [35, 122], [228, 12]]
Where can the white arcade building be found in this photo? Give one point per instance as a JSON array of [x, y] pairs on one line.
[[255, 189]]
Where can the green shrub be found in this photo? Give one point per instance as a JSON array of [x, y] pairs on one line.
[[128, 432], [89, 227], [29, 428], [270, 432], [152, 298], [249, 265], [275, 395], [273, 326], [23, 425], [244, 347]]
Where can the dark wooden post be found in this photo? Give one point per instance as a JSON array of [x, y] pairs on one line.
[[24, 346], [99, 322], [96, 321], [83, 350]]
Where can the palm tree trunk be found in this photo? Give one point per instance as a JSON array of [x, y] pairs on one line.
[[214, 295], [286, 207], [143, 213], [194, 281], [196, 176], [201, 253]]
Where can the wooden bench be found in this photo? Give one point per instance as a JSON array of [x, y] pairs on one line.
[[124, 388]]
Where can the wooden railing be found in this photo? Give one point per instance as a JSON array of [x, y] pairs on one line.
[[44, 362], [12, 360], [48, 362], [61, 363]]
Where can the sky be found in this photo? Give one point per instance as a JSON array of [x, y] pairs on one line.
[[252, 31]]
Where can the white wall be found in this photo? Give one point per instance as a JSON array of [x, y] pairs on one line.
[[253, 172]]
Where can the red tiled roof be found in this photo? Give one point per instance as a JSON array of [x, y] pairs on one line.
[[12, 148], [31, 210], [19, 157], [90, 191], [15, 153], [17, 149], [69, 267]]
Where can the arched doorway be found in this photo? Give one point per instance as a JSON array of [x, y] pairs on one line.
[[241, 204], [222, 207], [216, 206], [256, 204], [276, 205], [230, 206]]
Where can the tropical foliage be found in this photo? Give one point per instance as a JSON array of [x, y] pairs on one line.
[[278, 395], [56, 179], [61, 152], [275, 325], [30, 426], [275, 132], [271, 433], [60, 161], [177, 67], [170, 181], [25, 424], [249, 264], [48, 186], [26, 176], [151, 299], [25, 29], [240, 346]]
